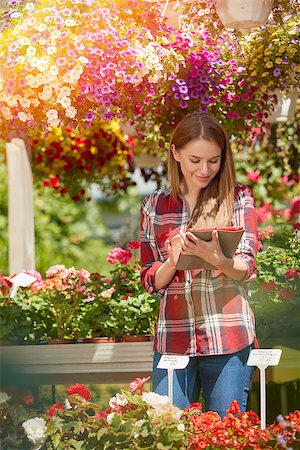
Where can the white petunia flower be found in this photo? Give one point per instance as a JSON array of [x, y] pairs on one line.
[[31, 51], [21, 59], [22, 116], [70, 23], [5, 110], [71, 112], [29, 6], [65, 102], [41, 27], [52, 114], [52, 49], [83, 60], [180, 427]]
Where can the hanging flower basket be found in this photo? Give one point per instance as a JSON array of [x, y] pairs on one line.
[[285, 108], [243, 14]]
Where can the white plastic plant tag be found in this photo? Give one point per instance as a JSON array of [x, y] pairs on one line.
[[264, 357], [22, 279], [173, 362]]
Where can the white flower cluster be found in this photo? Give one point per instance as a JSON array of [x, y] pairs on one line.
[[161, 406], [158, 61], [35, 431]]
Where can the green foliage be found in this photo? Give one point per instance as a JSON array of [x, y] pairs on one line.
[[65, 232], [275, 294], [76, 304], [135, 425], [12, 415], [273, 157]]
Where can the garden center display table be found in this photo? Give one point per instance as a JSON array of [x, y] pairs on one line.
[[118, 362], [77, 363]]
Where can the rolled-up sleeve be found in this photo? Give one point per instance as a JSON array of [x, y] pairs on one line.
[[245, 216], [150, 258]]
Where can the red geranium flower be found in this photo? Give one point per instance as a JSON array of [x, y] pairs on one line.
[[287, 294], [234, 407], [79, 389], [54, 408], [268, 286]]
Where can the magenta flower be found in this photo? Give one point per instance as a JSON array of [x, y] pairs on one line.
[[253, 176]]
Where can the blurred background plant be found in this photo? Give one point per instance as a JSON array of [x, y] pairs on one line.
[[71, 304], [69, 160]]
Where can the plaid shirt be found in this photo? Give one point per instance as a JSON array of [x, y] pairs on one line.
[[202, 312]]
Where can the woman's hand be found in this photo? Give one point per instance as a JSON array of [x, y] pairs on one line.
[[174, 248], [210, 251]]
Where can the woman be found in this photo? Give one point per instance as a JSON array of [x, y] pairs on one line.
[[203, 313]]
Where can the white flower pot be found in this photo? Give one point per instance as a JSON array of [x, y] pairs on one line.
[[285, 108], [243, 14]]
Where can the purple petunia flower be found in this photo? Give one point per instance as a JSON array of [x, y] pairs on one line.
[[183, 104], [203, 109], [107, 115], [90, 116], [205, 100], [276, 72]]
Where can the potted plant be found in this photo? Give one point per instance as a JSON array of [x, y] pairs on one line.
[[134, 310], [274, 295], [67, 160]]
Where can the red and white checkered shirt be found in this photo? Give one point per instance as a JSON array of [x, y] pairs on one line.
[[202, 312]]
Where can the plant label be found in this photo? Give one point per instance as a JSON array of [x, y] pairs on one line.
[[22, 279], [173, 362], [264, 357]]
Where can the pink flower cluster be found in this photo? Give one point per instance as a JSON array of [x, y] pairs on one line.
[[123, 255]]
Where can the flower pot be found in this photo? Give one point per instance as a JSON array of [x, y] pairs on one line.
[[243, 14], [5, 343], [98, 340], [285, 108], [61, 341], [137, 338]]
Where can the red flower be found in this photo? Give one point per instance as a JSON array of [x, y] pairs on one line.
[[290, 274], [234, 407], [79, 389], [100, 415], [5, 285], [196, 405], [54, 408], [253, 176], [268, 286], [287, 294], [27, 398], [138, 384], [133, 245]]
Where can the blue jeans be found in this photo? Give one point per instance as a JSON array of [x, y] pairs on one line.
[[223, 379]]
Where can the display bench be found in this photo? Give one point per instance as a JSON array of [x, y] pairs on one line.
[[105, 363], [118, 362]]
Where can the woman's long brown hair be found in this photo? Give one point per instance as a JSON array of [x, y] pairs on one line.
[[214, 207]]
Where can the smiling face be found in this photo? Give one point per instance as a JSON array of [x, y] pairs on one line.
[[200, 161]]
